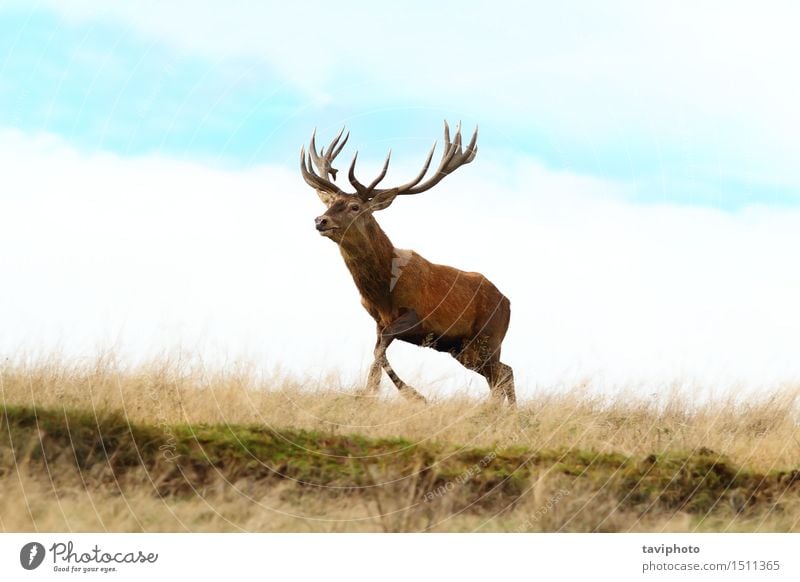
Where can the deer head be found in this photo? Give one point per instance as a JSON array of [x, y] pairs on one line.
[[350, 212]]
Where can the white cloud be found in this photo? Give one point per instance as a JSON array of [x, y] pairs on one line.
[[154, 252]]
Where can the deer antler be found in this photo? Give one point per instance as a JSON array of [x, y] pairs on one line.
[[322, 161], [453, 158]]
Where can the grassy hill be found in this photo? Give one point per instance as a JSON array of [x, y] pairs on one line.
[[153, 450]]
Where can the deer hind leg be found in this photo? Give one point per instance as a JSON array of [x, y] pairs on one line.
[[477, 356], [405, 325], [501, 378]]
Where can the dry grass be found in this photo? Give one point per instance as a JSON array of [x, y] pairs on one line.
[[752, 437], [760, 432]]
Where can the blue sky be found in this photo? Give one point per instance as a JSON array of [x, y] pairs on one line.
[[685, 106], [636, 191], [102, 86]]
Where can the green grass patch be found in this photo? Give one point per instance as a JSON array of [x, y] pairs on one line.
[[182, 459]]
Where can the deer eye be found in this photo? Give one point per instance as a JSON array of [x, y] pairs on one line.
[[355, 207]]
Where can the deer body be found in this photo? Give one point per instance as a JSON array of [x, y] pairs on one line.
[[410, 298]]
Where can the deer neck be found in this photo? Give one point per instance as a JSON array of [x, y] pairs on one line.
[[368, 254]]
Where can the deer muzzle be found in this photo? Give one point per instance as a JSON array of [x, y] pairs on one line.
[[324, 224]]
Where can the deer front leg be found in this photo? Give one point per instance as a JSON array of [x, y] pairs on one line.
[[374, 377], [405, 325]]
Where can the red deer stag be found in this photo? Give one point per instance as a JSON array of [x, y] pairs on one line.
[[410, 298]]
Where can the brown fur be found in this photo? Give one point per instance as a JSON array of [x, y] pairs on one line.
[[414, 300]]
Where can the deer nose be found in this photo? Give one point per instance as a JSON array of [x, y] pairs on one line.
[[321, 222]]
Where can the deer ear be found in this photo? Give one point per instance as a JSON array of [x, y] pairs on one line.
[[327, 198], [383, 200]]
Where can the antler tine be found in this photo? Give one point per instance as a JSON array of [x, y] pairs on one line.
[[382, 175], [457, 140], [307, 176], [425, 166], [455, 154], [448, 157], [323, 159], [313, 149], [361, 190], [311, 178], [367, 192], [332, 145], [472, 149], [452, 158], [305, 167], [341, 145]]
